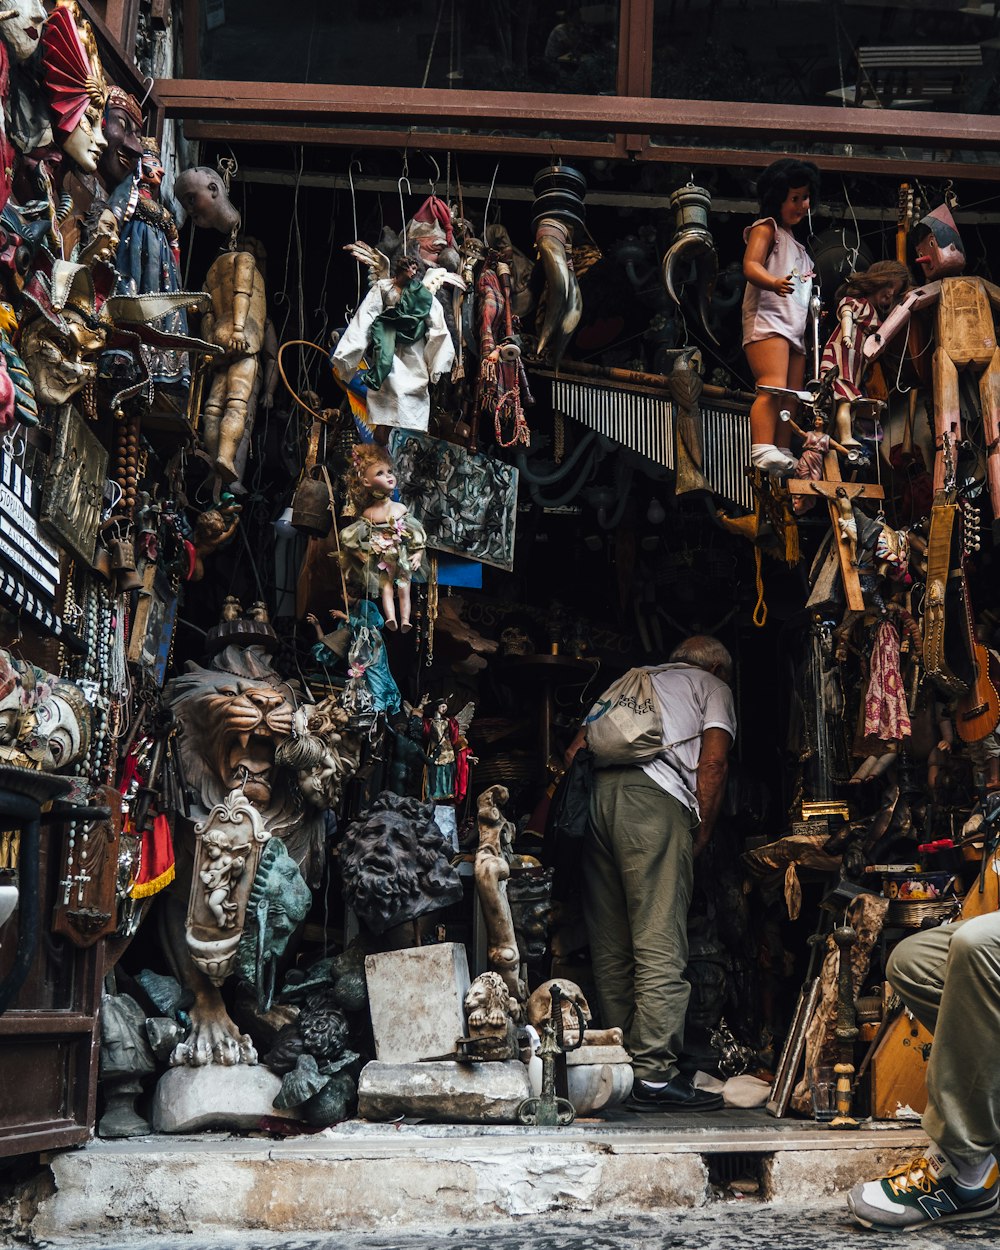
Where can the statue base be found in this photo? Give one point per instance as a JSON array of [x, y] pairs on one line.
[[216, 1096]]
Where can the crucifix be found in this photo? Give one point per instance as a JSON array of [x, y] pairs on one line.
[[840, 496]]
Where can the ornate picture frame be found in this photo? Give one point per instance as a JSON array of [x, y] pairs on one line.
[[466, 502], [72, 494]]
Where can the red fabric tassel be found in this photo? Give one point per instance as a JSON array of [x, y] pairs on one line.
[[156, 864]]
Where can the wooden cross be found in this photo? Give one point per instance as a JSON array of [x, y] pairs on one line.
[[837, 493]]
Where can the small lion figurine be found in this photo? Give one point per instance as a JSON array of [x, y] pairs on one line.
[[492, 1036]]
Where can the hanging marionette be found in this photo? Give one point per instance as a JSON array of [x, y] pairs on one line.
[[503, 384], [400, 331], [383, 548]]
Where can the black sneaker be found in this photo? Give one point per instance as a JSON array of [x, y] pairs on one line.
[[677, 1094]]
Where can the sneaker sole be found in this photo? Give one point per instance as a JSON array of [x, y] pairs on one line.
[[976, 1213]]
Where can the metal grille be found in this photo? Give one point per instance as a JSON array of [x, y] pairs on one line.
[[636, 419], [644, 422], [727, 452]]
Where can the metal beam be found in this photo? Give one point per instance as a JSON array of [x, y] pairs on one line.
[[513, 145], [829, 211], [531, 111]]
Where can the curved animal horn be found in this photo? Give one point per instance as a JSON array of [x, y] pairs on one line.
[[564, 303]]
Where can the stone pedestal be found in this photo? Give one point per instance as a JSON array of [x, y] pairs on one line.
[[598, 1077], [189, 1099], [446, 1093], [415, 997]]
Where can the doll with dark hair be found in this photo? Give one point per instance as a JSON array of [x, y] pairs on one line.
[[863, 301], [779, 273], [382, 549]]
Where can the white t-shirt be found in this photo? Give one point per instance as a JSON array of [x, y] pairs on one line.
[[691, 701]]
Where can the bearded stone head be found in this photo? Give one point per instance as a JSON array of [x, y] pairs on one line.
[[396, 864]]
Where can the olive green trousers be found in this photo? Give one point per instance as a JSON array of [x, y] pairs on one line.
[[638, 869], [950, 979]]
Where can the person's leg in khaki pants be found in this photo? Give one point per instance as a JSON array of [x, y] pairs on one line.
[[638, 872]]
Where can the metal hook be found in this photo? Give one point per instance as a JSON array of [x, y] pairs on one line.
[[402, 209], [13, 445], [437, 173]]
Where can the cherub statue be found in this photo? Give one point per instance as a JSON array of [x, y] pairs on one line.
[[400, 330], [211, 530], [448, 750], [383, 548], [221, 871]]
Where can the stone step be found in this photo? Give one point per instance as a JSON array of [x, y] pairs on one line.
[[411, 1176]]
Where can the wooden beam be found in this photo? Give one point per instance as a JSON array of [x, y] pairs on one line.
[[209, 100], [332, 136]]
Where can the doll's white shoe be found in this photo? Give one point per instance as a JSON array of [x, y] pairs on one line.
[[771, 459]]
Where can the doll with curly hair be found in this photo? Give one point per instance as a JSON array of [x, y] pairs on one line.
[[383, 548]]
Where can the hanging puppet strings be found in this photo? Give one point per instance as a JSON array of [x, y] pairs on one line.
[[382, 549]]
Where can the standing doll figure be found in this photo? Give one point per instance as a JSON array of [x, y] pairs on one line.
[[862, 303], [779, 274], [383, 548]]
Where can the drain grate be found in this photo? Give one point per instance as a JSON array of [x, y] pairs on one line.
[[736, 1172]]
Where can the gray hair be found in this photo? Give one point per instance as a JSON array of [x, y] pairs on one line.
[[703, 652]]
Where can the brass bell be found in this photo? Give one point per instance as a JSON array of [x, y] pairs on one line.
[[123, 566]]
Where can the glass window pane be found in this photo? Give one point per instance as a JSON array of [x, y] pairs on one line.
[[506, 45], [906, 54]]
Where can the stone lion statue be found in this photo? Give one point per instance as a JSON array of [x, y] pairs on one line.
[[487, 1002], [236, 722]]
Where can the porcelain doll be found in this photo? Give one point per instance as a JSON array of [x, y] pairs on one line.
[[383, 548], [779, 274], [863, 302]]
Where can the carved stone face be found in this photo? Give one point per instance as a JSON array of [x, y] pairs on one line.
[[22, 33], [123, 151], [395, 863], [251, 720], [86, 143], [55, 358]]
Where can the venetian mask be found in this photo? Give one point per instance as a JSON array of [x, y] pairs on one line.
[[152, 171], [123, 138], [22, 32], [54, 356], [86, 141], [60, 735]]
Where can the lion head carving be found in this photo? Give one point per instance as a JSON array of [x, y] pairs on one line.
[[487, 1002], [232, 719]]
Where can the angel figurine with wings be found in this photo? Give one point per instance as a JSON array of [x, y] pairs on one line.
[[447, 750], [400, 331]]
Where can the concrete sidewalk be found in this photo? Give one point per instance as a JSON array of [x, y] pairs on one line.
[[360, 1176]]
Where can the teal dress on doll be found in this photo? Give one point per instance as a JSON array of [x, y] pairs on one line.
[[359, 638]]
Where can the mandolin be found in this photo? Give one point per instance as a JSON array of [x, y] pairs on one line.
[[977, 712]]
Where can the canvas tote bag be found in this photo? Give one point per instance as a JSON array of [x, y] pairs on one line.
[[625, 726]]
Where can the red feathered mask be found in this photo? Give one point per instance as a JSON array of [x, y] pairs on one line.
[[72, 82]]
